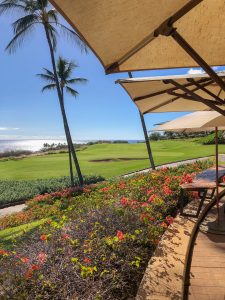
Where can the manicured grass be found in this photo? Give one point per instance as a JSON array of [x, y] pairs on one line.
[[56, 165]]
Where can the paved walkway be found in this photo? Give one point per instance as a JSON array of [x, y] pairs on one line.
[[207, 274], [171, 165], [11, 209]]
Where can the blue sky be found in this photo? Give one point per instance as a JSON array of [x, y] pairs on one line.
[[102, 111]]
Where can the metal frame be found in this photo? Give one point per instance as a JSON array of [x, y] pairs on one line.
[[147, 142]]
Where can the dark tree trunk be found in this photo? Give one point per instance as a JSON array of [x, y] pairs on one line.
[[71, 167], [69, 150], [65, 123]]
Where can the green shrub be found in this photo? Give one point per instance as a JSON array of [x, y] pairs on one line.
[[210, 139], [19, 190]]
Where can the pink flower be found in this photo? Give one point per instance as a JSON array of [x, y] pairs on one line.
[[145, 204], [120, 235], [42, 257], [65, 236], [152, 198]]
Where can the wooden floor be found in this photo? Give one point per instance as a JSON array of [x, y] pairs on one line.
[[207, 275]]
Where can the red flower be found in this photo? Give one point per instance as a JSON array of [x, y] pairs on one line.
[[124, 201], [163, 225], [169, 220], [149, 192], [43, 237], [105, 189], [145, 204], [120, 235], [42, 257], [167, 191], [3, 252], [29, 274], [87, 260], [35, 267], [25, 260]]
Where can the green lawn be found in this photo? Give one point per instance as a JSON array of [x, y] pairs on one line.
[[56, 165]]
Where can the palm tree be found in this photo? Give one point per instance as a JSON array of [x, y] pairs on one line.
[[39, 13], [64, 72]]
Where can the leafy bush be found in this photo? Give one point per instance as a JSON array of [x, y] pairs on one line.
[[19, 190], [210, 139], [99, 246]]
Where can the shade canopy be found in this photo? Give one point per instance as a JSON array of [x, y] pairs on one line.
[[124, 34], [161, 94], [194, 122]]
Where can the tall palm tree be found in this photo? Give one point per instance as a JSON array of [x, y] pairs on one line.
[[39, 13], [64, 72]]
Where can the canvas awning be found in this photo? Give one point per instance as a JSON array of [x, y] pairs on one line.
[[128, 35], [194, 122], [175, 93]]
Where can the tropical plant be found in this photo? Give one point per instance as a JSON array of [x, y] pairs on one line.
[[64, 72], [40, 13]]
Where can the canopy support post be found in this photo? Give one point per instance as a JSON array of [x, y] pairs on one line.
[[217, 172], [195, 97], [147, 142], [200, 61], [167, 29]]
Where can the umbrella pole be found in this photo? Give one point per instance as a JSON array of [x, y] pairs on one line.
[[150, 156], [217, 173]]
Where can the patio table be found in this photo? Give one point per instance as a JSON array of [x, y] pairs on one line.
[[203, 183]]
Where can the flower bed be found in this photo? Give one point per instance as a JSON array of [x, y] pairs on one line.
[[99, 244]]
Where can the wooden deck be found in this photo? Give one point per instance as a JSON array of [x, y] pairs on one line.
[[207, 273]]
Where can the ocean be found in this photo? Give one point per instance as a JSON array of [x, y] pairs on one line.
[[35, 145]]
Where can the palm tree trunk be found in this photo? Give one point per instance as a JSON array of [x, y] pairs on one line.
[[71, 167], [69, 151], [65, 123]]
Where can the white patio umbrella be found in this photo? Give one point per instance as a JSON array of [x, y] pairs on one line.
[[195, 122]]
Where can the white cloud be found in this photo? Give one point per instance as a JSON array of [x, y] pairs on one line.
[[195, 71], [8, 129], [199, 71]]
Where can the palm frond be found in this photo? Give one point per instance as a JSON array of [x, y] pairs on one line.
[[19, 38], [9, 6], [73, 37], [23, 22], [49, 87], [77, 80], [71, 91], [50, 73], [52, 16], [47, 77]]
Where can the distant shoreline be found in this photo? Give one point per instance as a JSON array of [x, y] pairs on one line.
[[34, 146]]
